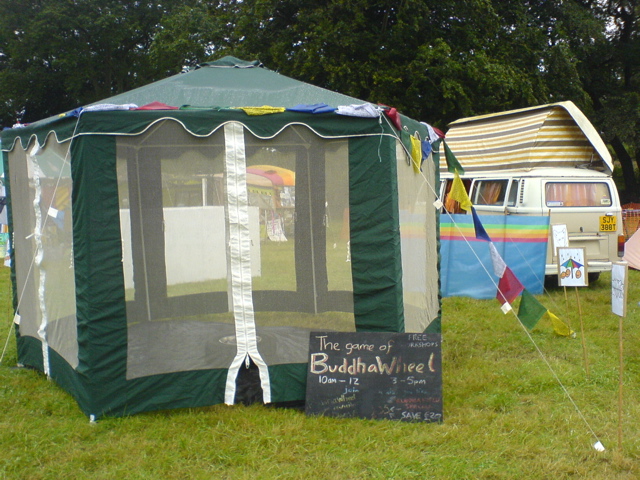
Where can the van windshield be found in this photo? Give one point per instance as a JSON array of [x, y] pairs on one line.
[[577, 194]]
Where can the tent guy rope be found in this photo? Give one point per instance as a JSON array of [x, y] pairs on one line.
[[598, 444]]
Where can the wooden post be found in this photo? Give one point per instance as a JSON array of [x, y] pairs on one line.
[[584, 345], [619, 287], [620, 383], [566, 301]]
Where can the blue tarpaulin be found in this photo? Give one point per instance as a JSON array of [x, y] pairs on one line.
[[466, 266]]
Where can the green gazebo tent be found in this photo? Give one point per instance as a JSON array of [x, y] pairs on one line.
[[145, 277]]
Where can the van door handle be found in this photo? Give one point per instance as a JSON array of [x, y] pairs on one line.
[[590, 238]]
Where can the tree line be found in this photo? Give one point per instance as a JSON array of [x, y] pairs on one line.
[[434, 60]]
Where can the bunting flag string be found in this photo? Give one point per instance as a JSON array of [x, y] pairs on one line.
[[509, 287], [530, 310]]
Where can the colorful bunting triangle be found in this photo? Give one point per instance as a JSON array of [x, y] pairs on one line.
[[509, 287], [530, 310], [481, 233], [459, 193]]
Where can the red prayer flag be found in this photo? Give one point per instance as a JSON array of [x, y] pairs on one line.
[[509, 287], [157, 106], [394, 116]]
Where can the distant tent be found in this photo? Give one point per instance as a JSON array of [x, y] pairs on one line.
[[280, 176], [143, 276], [273, 189], [632, 251], [630, 218]]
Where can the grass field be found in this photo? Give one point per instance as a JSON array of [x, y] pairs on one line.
[[514, 409]]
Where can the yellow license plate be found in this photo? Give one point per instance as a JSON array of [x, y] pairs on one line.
[[608, 224]]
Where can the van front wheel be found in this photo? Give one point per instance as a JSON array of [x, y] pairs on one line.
[[593, 277]]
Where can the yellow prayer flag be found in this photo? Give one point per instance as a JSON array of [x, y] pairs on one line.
[[560, 327], [459, 194], [416, 154], [263, 110]]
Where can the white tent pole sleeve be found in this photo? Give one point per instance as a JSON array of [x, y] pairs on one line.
[[239, 255], [39, 255]]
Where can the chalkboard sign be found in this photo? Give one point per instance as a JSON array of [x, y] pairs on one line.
[[394, 376]]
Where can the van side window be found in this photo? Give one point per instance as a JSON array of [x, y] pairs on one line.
[[489, 192], [577, 194], [513, 193]]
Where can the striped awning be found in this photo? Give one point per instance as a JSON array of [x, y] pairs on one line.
[[555, 135]]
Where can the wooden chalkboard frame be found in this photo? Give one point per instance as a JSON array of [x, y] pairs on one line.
[[376, 375]]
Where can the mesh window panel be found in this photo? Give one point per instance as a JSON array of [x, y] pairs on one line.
[[174, 254], [172, 210], [27, 278], [44, 259], [305, 279], [418, 234]]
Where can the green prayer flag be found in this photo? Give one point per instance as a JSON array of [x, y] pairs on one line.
[[453, 164], [530, 310], [435, 153]]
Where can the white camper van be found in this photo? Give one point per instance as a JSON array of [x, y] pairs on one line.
[[546, 160]]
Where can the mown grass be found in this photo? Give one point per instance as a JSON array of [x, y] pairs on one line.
[[506, 414]]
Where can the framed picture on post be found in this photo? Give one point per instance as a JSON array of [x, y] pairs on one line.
[[572, 269]]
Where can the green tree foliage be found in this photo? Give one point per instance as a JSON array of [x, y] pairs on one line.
[[58, 54], [611, 76], [433, 60], [194, 32], [436, 60]]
